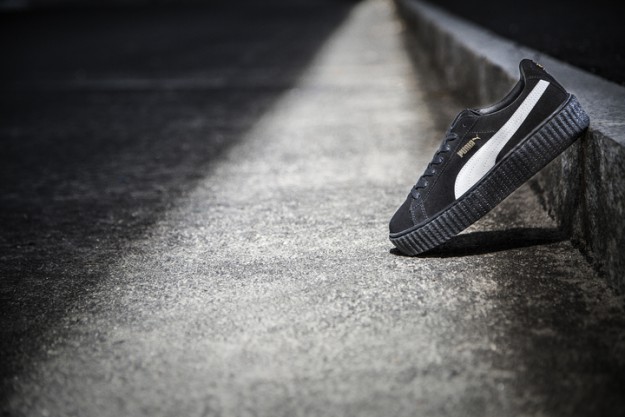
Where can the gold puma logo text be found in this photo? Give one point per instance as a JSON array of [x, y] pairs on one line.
[[467, 146]]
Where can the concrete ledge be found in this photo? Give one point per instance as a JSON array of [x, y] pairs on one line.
[[584, 188]]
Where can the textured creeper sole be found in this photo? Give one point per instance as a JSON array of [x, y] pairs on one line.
[[519, 165]]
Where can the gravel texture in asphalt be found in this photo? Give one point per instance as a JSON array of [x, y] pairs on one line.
[[194, 222]]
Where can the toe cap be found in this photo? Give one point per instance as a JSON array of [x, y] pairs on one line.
[[402, 219]]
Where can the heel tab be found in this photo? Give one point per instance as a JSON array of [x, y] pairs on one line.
[[529, 69]]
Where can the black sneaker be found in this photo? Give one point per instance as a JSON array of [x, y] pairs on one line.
[[487, 154]]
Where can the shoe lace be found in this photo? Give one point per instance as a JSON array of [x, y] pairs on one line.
[[431, 169]]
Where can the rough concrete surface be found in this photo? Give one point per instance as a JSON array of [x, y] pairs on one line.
[[210, 239], [588, 35]]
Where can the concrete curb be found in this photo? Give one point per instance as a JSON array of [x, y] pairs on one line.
[[584, 188]]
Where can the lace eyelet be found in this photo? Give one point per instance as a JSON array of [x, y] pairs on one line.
[[437, 160]]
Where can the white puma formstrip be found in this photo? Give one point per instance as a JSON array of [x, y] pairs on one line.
[[484, 158]]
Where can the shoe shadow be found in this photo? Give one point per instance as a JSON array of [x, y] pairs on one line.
[[479, 243]]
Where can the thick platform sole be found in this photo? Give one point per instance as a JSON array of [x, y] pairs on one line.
[[531, 155]]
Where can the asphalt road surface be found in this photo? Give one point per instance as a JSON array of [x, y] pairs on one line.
[[194, 215]]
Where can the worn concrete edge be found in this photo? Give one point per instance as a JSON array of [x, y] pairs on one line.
[[584, 188]]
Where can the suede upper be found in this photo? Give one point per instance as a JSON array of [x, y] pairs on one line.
[[470, 131]]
